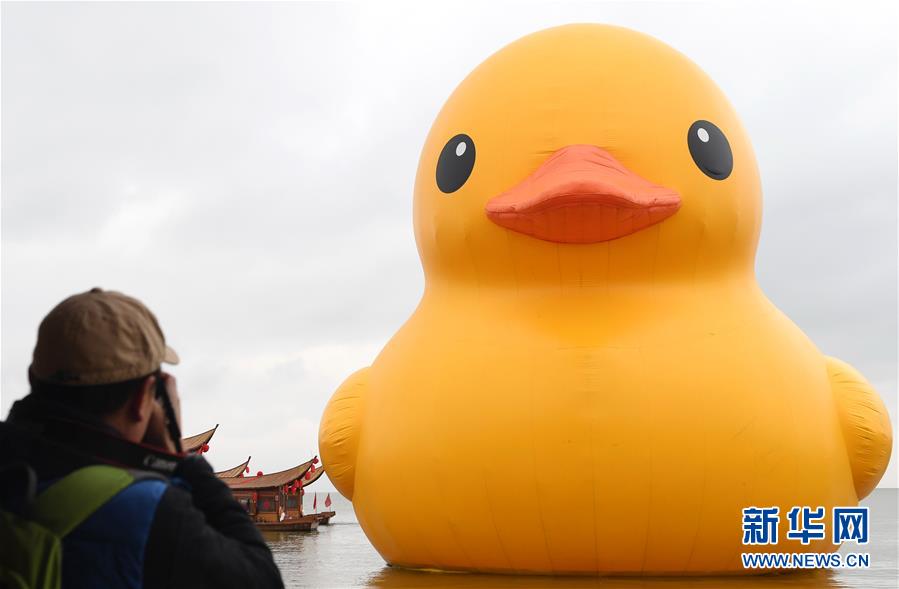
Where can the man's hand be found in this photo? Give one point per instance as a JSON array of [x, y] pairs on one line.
[[157, 430]]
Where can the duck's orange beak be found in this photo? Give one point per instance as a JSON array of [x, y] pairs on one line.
[[582, 194]]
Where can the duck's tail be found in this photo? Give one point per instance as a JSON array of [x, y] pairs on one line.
[[865, 423], [338, 434]]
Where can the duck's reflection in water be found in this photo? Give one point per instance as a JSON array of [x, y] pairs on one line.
[[408, 579]]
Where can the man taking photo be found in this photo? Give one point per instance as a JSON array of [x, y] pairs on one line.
[[92, 459]]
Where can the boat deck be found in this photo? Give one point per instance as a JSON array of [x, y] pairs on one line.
[[324, 517], [299, 524]]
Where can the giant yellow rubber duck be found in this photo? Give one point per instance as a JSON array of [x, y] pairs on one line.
[[593, 381]]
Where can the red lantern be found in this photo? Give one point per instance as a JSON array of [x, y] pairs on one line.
[[205, 448], [307, 476], [312, 469], [259, 473], [247, 468], [315, 460]]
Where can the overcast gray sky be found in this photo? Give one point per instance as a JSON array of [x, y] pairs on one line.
[[247, 171]]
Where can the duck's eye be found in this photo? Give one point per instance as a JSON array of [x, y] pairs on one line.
[[455, 163], [710, 150]]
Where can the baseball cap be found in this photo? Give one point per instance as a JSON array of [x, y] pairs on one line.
[[99, 337]]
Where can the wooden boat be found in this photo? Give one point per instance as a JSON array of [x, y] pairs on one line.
[[275, 501]]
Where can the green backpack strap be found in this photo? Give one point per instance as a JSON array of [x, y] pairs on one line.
[[64, 505], [31, 544]]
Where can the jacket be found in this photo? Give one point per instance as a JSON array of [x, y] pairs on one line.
[[186, 530]]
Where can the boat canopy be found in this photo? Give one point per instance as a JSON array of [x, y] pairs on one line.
[[276, 479], [193, 443], [234, 471]]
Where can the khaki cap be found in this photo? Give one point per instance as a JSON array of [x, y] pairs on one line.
[[99, 337]]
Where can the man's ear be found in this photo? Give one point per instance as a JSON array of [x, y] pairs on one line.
[[141, 404]]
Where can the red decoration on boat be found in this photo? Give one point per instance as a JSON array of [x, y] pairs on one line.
[[205, 448], [328, 500], [312, 469], [315, 460], [315, 501], [307, 476], [259, 473], [247, 468]]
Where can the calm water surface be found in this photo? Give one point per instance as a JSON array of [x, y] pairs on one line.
[[339, 556]]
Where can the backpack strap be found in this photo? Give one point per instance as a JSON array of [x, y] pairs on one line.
[[19, 487], [64, 505]]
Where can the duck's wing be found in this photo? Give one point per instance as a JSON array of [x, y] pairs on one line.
[[338, 434], [865, 423]]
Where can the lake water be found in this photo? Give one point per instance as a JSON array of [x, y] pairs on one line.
[[339, 556]]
